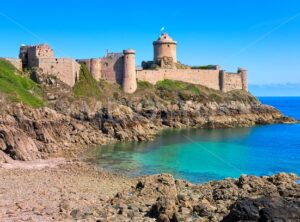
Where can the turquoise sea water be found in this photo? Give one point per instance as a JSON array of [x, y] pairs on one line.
[[200, 155]]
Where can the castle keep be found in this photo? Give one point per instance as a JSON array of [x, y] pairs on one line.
[[121, 68], [42, 57]]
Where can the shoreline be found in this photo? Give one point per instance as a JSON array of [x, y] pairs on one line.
[[68, 190]]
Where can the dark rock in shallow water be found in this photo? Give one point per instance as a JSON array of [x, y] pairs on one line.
[[264, 209]]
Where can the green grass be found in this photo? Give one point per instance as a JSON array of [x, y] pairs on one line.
[[87, 86], [18, 88], [172, 90], [172, 85], [144, 85]]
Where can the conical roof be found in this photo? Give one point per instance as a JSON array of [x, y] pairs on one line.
[[164, 38]]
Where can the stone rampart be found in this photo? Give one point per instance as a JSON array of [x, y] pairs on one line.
[[67, 70], [112, 68], [232, 81], [214, 79], [208, 78]]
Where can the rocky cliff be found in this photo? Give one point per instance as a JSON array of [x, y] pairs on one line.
[[63, 130]]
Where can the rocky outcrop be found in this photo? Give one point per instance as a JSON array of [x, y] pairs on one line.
[[67, 125], [249, 198], [264, 209], [17, 145], [29, 134]]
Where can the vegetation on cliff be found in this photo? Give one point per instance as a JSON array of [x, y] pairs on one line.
[[18, 88], [86, 86], [175, 91]]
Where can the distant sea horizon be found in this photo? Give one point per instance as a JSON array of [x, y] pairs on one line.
[[275, 90]]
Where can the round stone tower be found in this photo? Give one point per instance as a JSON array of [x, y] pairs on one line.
[[243, 73], [95, 68], [129, 76], [164, 46]]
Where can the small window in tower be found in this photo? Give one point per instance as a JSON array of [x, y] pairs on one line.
[[169, 46], [106, 64]]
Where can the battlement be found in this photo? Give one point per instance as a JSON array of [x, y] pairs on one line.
[[41, 51]]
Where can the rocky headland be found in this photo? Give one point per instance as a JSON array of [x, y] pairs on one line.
[[66, 127]]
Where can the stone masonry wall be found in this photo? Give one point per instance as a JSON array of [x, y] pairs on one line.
[[232, 81], [209, 78], [112, 69], [67, 70], [38, 51], [165, 50]]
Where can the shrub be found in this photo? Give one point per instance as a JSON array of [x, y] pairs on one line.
[[86, 86], [204, 67], [170, 85], [172, 90], [144, 85]]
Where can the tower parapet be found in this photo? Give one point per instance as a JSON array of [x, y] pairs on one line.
[[129, 76]]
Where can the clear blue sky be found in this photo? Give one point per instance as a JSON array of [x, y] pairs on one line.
[[262, 36]]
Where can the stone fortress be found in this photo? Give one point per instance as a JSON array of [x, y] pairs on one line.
[[121, 68]]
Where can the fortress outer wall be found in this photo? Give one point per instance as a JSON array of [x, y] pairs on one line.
[[214, 79], [67, 70]]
